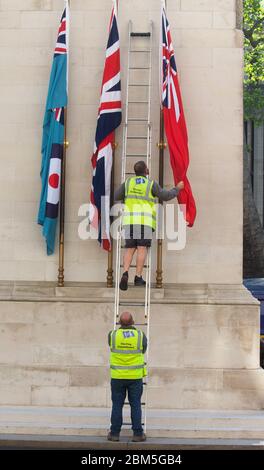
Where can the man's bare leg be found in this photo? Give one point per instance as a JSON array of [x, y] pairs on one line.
[[128, 256], [141, 257]]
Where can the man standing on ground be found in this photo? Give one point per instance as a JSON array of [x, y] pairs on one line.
[[139, 194], [127, 345]]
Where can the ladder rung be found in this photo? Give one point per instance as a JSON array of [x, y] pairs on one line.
[[138, 119], [129, 424], [139, 68], [143, 35], [127, 304], [136, 102], [138, 137], [133, 265], [129, 173], [136, 155], [123, 246], [127, 403], [136, 324], [137, 84], [140, 50]]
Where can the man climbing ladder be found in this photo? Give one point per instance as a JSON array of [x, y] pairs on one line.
[[139, 194]]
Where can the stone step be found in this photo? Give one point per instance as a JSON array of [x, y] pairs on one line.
[[98, 292], [87, 293], [27, 441], [161, 423]]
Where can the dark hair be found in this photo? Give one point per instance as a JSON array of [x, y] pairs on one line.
[[140, 168]]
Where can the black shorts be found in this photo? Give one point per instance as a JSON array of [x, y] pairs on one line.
[[137, 235]]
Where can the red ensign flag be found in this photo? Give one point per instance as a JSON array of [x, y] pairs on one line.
[[174, 121]]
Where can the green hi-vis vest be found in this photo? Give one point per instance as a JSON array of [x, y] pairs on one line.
[[139, 203], [127, 358]]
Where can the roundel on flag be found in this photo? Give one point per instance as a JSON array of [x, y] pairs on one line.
[[53, 195], [54, 180]]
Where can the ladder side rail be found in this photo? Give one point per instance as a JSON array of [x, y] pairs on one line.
[[148, 274], [118, 252], [123, 176], [146, 287], [148, 283], [149, 101]]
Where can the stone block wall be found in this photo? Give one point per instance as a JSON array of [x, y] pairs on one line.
[[208, 51], [201, 355]]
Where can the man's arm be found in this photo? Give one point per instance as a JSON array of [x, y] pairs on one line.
[[120, 193], [145, 343], [109, 338], [164, 194]]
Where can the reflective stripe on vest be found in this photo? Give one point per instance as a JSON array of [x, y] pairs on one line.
[[143, 214], [128, 367]]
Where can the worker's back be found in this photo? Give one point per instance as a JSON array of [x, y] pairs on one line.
[[139, 202], [127, 358]]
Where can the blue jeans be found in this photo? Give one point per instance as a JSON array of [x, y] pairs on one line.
[[119, 389]]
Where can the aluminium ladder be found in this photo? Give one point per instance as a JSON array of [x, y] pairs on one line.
[[138, 109]]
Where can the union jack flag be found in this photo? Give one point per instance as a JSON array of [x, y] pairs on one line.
[[174, 120], [109, 118], [61, 46], [60, 49]]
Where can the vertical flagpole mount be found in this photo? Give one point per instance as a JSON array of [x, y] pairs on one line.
[[62, 205], [110, 271], [63, 171], [161, 146]]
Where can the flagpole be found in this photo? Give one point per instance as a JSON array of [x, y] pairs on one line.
[[62, 205], [63, 174], [110, 271], [161, 145]]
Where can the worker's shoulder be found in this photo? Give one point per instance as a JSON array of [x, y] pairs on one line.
[[155, 187]]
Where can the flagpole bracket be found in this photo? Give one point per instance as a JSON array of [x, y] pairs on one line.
[[162, 145], [66, 144]]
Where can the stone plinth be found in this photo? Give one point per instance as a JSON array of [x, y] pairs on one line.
[[204, 346]]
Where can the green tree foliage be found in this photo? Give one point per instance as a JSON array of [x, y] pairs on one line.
[[254, 60]]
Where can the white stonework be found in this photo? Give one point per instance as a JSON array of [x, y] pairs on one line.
[[204, 324], [209, 60], [204, 349]]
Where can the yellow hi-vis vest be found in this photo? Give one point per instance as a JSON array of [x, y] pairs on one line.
[[127, 358], [139, 203]]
